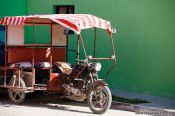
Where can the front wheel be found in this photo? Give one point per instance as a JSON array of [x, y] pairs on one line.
[[99, 100]]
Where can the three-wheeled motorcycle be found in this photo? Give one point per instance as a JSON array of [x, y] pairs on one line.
[[32, 66]]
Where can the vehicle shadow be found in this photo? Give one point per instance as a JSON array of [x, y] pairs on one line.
[[52, 101], [46, 101]]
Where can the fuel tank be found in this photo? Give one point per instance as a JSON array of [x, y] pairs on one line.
[[64, 67]]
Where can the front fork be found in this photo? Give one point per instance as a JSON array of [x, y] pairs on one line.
[[93, 77], [95, 81]]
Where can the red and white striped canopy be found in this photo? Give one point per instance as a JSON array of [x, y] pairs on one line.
[[75, 22]]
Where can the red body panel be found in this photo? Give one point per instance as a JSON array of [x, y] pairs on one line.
[[40, 54]]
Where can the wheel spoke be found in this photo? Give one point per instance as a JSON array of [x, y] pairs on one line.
[[104, 101], [95, 104], [99, 90], [100, 93], [101, 104], [15, 95], [19, 95], [95, 93]]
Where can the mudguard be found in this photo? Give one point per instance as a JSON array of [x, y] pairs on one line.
[[95, 84], [100, 82]]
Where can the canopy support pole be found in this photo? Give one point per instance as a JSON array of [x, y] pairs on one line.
[[78, 49], [33, 60], [5, 67], [67, 36], [113, 50], [95, 41], [112, 57], [51, 58], [84, 50]]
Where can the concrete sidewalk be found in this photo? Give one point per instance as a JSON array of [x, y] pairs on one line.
[[39, 105], [156, 103], [56, 110], [44, 105]]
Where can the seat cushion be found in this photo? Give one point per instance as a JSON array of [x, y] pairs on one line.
[[21, 65], [42, 65], [29, 65]]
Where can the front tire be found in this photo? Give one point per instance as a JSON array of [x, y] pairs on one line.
[[99, 100], [16, 96]]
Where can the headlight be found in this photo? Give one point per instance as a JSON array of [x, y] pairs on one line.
[[97, 66]]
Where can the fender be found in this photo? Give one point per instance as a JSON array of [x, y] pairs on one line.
[[100, 82], [95, 84]]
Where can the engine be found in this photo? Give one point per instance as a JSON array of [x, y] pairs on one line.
[[75, 88]]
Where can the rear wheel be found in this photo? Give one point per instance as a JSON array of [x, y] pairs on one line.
[[99, 100], [16, 96]]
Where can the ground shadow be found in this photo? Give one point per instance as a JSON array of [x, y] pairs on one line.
[[45, 101]]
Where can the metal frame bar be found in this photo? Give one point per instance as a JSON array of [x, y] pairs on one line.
[[80, 40], [113, 57], [35, 45], [51, 58], [33, 59], [78, 49], [113, 50], [95, 34], [67, 36], [83, 46], [5, 66]]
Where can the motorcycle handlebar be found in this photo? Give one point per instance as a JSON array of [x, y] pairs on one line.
[[81, 60]]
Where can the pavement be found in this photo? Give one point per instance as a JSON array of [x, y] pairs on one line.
[[154, 101], [164, 106], [38, 104], [49, 105]]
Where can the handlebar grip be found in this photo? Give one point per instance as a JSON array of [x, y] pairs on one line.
[[80, 60]]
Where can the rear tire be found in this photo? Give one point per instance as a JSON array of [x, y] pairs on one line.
[[16, 97], [103, 99]]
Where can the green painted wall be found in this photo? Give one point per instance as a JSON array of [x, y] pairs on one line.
[[145, 41], [12, 7]]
